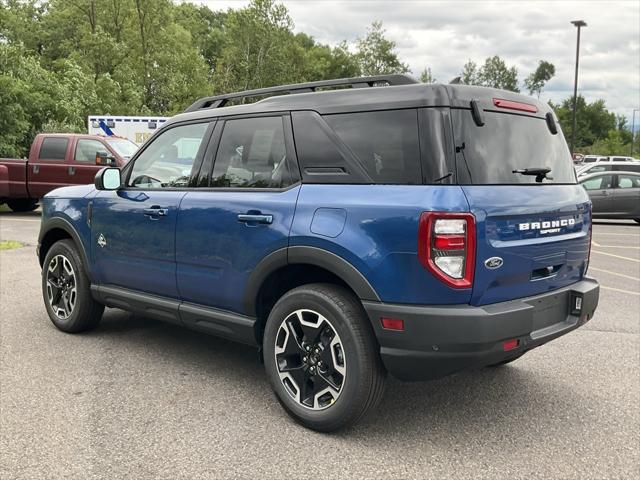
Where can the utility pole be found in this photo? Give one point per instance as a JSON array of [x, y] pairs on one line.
[[579, 24], [633, 129]]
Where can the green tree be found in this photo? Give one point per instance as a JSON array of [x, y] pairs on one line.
[[324, 62], [426, 76], [612, 144], [593, 120], [255, 53], [31, 96], [377, 54], [470, 74], [536, 81], [494, 73], [206, 28]]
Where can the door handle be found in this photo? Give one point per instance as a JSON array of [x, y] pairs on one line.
[[71, 170], [252, 218], [36, 169], [605, 193], [155, 212]]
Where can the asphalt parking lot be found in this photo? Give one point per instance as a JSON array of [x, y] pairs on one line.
[[139, 399]]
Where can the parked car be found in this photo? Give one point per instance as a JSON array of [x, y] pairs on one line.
[[614, 194], [416, 229], [57, 160], [614, 158], [607, 167], [594, 158]]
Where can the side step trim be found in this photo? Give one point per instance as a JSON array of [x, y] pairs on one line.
[[206, 319]]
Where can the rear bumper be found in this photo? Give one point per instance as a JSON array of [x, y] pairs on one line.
[[440, 340]]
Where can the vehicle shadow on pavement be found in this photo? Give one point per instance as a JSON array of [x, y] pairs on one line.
[[475, 402]]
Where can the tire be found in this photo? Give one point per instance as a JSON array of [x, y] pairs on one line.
[[23, 204], [336, 326], [66, 290]]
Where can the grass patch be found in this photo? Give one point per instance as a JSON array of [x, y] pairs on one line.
[[10, 244], [4, 208]]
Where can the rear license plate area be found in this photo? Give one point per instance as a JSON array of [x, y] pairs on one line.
[[550, 310]]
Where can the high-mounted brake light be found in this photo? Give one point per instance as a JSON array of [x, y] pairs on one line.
[[447, 246], [511, 105]]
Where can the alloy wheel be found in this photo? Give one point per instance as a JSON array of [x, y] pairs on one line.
[[310, 359], [61, 286]]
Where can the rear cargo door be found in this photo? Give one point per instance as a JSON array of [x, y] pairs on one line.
[[533, 232]]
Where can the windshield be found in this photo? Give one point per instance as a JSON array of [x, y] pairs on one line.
[[508, 142], [125, 148]]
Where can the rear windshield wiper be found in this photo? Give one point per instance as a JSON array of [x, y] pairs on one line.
[[540, 173]]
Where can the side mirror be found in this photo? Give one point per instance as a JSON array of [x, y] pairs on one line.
[[104, 159], [108, 179]]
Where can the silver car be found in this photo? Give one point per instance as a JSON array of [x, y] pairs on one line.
[[614, 194]]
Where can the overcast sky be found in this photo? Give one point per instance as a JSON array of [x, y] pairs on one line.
[[444, 35]]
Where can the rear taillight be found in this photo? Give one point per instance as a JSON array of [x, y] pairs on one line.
[[447, 246]]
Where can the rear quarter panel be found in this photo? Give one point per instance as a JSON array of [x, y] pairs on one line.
[[375, 229]]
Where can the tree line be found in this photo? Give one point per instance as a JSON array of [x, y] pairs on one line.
[[61, 60]]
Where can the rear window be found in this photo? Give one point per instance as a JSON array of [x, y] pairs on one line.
[[53, 148], [507, 142], [626, 168], [385, 143]]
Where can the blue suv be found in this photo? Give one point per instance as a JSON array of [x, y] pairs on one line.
[[347, 228]]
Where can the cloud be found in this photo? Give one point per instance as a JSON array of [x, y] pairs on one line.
[[444, 35]]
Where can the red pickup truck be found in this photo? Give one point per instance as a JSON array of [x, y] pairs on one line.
[[58, 160]]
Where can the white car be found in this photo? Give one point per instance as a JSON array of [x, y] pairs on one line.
[[594, 158], [607, 166], [618, 158]]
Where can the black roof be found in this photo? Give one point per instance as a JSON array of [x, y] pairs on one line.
[[403, 95]]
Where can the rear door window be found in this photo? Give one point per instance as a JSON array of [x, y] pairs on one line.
[[628, 181], [385, 143], [53, 148], [252, 154], [489, 154]]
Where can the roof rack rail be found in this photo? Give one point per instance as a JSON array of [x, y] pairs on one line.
[[219, 101]]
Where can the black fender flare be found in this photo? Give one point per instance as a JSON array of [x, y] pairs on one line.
[[298, 255], [65, 225]]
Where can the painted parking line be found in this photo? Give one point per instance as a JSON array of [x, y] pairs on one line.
[[615, 246], [616, 256], [19, 219], [614, 273], [618, 234], [628, 292]]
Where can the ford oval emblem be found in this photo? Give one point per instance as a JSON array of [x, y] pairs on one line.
[[493, 263]]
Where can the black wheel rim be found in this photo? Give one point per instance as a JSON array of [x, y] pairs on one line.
[[61, 287], [310, 359]]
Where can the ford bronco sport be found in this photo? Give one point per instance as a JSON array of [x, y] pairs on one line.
[[347, 228]]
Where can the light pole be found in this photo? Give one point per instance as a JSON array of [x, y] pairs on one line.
[[633, 129], [579, 24]]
